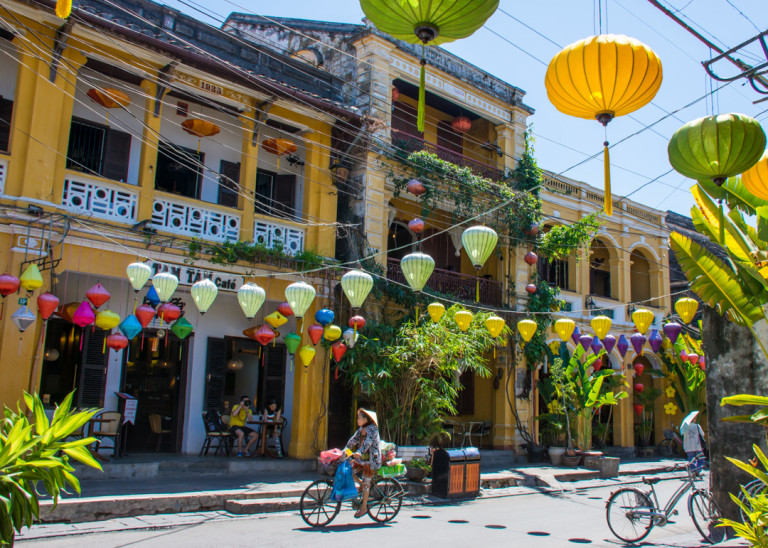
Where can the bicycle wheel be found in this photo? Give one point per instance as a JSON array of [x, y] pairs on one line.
[[753, 488], [317, 508], [706, 515], [385, 499], [666, 448], [624, 520]]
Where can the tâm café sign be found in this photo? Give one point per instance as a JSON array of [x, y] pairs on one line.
[[189, 275]]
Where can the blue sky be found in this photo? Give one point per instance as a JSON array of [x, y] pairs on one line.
[[511, 51]]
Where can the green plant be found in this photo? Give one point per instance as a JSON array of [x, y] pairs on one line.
[[227, 253], [758, 417], [755, 507], [688, 380], [647, 399], [420, 463], [34, 452]]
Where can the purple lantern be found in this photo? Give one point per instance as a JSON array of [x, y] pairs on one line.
[[622, 345], [609, 342], [585, 341], [655, 340], [576, 335], [672, 331], [596, 345], [638, 340]]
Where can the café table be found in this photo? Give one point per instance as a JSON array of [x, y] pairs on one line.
[[264, 424], [470, 428]]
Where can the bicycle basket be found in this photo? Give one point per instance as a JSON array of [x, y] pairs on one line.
[[328, 469]]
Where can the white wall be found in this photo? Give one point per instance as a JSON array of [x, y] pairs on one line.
[[9, 66]]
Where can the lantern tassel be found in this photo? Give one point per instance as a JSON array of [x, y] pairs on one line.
[[607, 172], [422, 94], [104, 348], [477, 290], [722, 224]]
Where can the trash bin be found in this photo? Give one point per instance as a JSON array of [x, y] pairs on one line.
[[456, 473]]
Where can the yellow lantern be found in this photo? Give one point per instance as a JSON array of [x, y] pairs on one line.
[[417, 268], [756, 178], [165, 284], [63, 8], [642, 319], [494, 324], [601, 77], [331, 332], [275, 319], [306, 355], [251, 297], [138, 274], [31, 278], [356, 285], [601, 325], [436, 311], [527, 329], [686, 308], [564, 328], [463, 318], [203, 294], [106, 320]]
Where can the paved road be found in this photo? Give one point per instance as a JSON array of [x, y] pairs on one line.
[[515, 517]]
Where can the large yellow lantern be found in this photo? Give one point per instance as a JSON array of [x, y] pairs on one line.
[[755, 179], [602, 77], [356, 285], [306, 355], [300, 296], [331, 332], [275, 319], [203, 294], [463, 318], [642, 319], [417, 268], [165, 284], [601, 325], [31, 279], [251, 297], [494, 324], [686, 308], [436, 311], [564, 328], [106, 320], [138, 275], [527, 329]]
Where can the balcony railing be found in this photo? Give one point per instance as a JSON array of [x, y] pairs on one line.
[[98, 199], [406, 143], [453, 283], [270, 233], [194, 220]]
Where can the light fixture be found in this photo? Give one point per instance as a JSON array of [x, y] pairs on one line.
[[234, 364], [51, 355]]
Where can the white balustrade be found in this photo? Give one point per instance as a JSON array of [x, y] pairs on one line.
[[94, 198], [194, 220], [3, 170], [269, 234]]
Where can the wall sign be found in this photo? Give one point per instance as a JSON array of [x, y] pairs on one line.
[[189, 275]]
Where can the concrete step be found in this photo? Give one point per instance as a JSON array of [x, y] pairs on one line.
[[262, 506]]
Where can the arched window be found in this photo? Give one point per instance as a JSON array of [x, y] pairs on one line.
[[600, 270], [398, 241], [555, 272], [640, 277]]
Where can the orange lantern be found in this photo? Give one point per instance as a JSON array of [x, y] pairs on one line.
[[109, 98], [461, 124], [280, 147], [200, 128]]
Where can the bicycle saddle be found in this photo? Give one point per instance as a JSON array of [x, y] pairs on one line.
[[651, 481]]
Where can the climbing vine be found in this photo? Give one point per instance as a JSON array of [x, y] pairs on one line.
[[543, 303], [228, 253]]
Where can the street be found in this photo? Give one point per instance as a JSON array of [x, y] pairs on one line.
[[515, 517]]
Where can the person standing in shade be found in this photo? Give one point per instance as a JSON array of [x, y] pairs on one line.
[[272, 413], [693, 436], [366, 456], [240, 414]]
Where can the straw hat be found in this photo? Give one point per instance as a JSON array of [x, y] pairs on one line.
[[371, 415]]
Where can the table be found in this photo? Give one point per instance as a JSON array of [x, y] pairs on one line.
[[472, 427], [264, 424]]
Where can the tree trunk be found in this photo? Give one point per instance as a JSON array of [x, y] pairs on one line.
[[735, 365]]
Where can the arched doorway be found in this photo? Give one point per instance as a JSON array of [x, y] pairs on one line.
[[600, 270], [399, 241], [640, 277]]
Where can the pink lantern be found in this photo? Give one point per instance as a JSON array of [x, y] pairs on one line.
[[315, 332], [83, 315], [117, 341], [702, 363], [98, 295], [264, 335], [461, 124], [416, 225], [285, 309]]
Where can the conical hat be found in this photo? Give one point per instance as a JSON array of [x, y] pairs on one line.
[[371, 415]]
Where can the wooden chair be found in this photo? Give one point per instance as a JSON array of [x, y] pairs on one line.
[[156, 425], [213, 433], [108, 430]]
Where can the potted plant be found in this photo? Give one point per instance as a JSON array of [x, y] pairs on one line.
[[417, 470]]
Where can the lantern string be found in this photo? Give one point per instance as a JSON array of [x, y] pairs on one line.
[[422, 91], [607, 172]]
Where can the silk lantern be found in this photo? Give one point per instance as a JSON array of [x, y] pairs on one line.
[[138, 274], [585, 341], [251, 297], [638, 407], [130, 327], [324, 316], [461, 124], [686, 308], [602, 77], [639, 368], [200, 128], [116, 341], [203, 294], [642, 319], [479, 242], [596, 345], [564, 328], [182, 328], [638, 340], [285, 309], [264, 335], [31, 279], [144, 314], [332, 333], [655, 340], [109, 97], [279, 147], [527, 329], [275, 319], [106, 320], [427, 23], [152, 297], [755, 179], [168, 313], [601, 326], [292, 342], [639, 387], [356, 285], [23, 318], [609, 341], [63, 8], [83, 315], [494, 325], [338, 349], [356, 322], [306, 355], [576, 335], [315, 332], [672, 331], [622, 346], [693, 358], [415, 187], [299, 296], [463, 318], [416, 226], [417, 268], [350, 337], [8, 284], [47, 304], [98, 295], [436, 311], [165, 284]]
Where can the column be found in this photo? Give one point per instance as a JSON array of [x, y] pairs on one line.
[[249, 158], [153, 113], [320, 196], [623, 418], [504, 428]]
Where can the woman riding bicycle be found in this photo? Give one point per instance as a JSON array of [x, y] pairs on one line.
[[366, 456]]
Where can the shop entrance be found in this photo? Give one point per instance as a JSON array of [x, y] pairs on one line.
[[155, 372]]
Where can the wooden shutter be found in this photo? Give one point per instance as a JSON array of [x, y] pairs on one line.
[[117, 153], [274, 375], [284, 195], [465, 403], [93, 369], [6, 114], [215, 374], [449, 139], [229, 179]]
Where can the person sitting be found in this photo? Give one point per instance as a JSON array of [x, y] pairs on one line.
[[240, 414], [272, 413], [366, 456]]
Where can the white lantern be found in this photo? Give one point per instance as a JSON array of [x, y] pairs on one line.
[[479, 241], [138, 274], [203, 293], [356, 285], [251, 297], [299, 296], [165, 284], [417, 268]]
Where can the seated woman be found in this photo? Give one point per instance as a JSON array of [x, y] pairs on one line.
[[272, 413], [366, 456]]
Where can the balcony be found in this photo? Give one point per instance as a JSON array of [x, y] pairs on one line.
[[406, 143], [193, 219], [269, 233], [95, 198], [459, 285]]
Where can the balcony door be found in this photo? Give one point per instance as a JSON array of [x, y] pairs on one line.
[[179, 170]]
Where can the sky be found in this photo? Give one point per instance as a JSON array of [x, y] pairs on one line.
[[520, 39]]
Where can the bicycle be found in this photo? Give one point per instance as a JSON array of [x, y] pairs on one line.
[[632, 513], [671, 444], [318, 509], [753, 488]]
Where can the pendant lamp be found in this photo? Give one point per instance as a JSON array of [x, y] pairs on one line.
[[609, 341], [285, 309], [275, 319], [109, 98], [106, 320], [251, 297], [601, 325], [8, 284], [638, 340], [602, 77], [585, 341], [279, 147], [203, 294], [152, 297], [356, 285], [428, 22], [292, 342], [686, 308], [116, 341], [417, 268], [300, 296], [622, 346], [168, 313], [315, 332], [84, 315], [655, 340], [324, 316], [672, 331], [63, 8], [200, 128], [165, 284], [138, 274], [23, 318], [495, 325], [338, 349], [479, 242], [755, 179], [130, 327], [463, 318], [98, 295], [31, 279], [642, 319], [332, 333], [47, 304], [436, 311], [596, 345], [576, 335], [527, 329], [564, 328]]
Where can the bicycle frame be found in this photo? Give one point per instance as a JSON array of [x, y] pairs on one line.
[[661, 517]]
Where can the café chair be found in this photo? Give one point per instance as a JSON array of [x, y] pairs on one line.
[[218, 434], [156, 425], [109, 429]]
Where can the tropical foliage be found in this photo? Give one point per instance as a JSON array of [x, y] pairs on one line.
[[686, 380], [754, 507], [35, 455], [758, 417]]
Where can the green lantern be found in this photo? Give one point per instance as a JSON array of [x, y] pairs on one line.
[[356, 285], [417, 268], [479, 241], [299, 296], [429, 23], [292, 342], [182, 328]]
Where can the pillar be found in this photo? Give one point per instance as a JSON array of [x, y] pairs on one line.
[[153, 113], [249, 158], [320, 196]]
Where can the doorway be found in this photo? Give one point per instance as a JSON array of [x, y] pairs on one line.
[[155, 372]]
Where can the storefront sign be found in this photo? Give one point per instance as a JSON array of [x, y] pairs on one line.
[[129, 409], [189, 275]]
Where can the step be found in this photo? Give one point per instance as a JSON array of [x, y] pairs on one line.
[[262, 506], [501, 481]]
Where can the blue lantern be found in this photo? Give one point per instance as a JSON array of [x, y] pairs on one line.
[[152, 297], [130, 327], [324, 316]]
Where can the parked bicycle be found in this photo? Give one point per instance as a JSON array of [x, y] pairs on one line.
[[672, 444], [318, 509], [753, 488], [632, 513]]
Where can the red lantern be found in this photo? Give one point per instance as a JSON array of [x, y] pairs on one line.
[[169, 312], [693, 359], [339, 348], [46, 304], [8, 284], [461, 124], [264, 335], [639, 387], [416, 225], [598, 364], [532, 230], [109, 97], [98, 295], [117, 341], [356, 322], [531, 288], [531, 258], [702, 364], [639, 368], [684, 355], [638, 409], [315, 332], [280, 147], [144, 314], [285, 309], [415, 187]]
